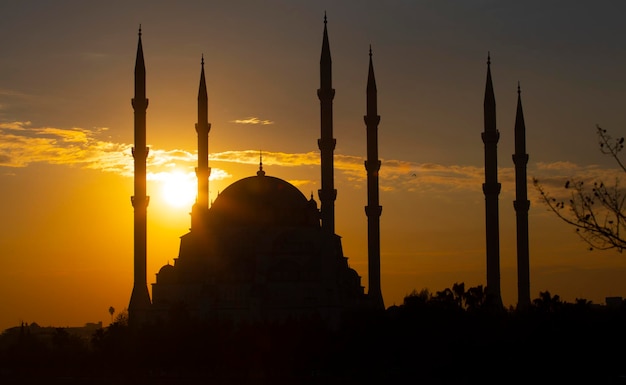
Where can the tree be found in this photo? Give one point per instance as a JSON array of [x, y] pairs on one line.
[[547, 303], [111, 311], [475, 298], [597, 212], [417, 298], [121, 319]]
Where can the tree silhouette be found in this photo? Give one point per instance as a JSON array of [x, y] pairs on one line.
[[111, 311], [417, 298], [475, 298], [452, 343], [459, 293], [546, 303], [597, 212], [122, 318]]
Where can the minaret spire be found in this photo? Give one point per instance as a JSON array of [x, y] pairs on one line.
[[326, 143], [521, 205], [260, 172], [373, 208], [203, 171], [491, 189], [140, 298]]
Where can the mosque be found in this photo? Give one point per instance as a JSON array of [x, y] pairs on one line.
[[262, 250]]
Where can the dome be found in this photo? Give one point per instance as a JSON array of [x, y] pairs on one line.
[[167, 274], [261, 200]]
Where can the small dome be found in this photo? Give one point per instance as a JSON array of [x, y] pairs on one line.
[[167, 274], [261, 200]]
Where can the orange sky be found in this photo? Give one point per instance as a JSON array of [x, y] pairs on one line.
[[66, 80]]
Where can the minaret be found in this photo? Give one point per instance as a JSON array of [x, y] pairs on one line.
[[326, 144], [491, 189], [140, 298], [203, 171], [521, 205], [373, 209]]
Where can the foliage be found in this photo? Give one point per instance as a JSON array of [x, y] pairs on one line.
[[121, 318], [597, 212], [444, 337], [547, 303], [472, 300]]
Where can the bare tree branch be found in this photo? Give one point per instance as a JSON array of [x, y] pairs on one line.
[[597, 213], [610, 146]]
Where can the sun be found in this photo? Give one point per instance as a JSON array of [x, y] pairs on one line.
[[178, 188]]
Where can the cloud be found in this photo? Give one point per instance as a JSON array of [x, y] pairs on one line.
[[252, 120], [12, 93], [429, 177], [557, 166], [282, 159], [562, 171], [219, 174], [553, 176], [393, 174], [300, 182], [21, 144]]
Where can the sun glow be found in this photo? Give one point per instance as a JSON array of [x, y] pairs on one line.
[[178, 189]]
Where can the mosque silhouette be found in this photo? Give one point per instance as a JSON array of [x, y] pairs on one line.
[[262, 251]]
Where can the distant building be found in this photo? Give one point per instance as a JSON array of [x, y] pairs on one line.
[[614, 302], [262, 250], [46, 332]]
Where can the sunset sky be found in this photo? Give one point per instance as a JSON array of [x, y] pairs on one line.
[[66, 130]]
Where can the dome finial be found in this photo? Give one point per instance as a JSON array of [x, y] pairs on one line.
[[370, 50], [260, 172], [139, 29], [325, 17], [519, 89], [202, 60], [488, 58]]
